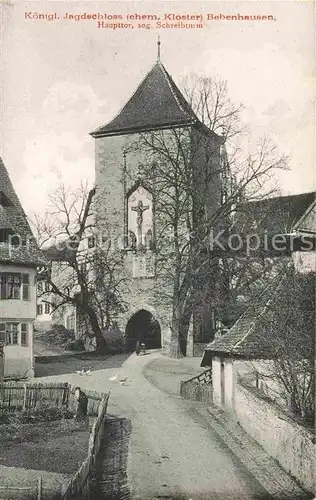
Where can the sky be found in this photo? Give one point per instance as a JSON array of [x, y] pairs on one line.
[[62, 79]]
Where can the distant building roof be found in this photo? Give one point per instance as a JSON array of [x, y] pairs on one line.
[[64, 251], [17, 243], [275, 215], [157, 103]]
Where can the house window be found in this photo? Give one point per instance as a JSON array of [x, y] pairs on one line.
[[6, 235], [39, 309], [91, 241], [14, 286], [24, 332], [143, 266], [25, 286], [47, 308], [47, 286], [11, 333], [4, 200], [2, 333], [70, 322]]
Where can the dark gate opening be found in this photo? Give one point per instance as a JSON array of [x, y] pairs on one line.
[[144, 327]]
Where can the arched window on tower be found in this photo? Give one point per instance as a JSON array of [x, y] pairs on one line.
[[139, 218]]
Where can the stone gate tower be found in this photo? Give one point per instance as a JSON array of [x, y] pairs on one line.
[[126, 206]]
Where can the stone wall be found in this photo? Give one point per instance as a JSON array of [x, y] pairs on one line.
[[153, 294], [137, 293], [289, 443]]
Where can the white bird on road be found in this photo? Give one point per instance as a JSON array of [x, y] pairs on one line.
[[120, 380], [84, 371]]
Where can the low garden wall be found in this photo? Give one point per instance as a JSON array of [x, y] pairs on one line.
[[198, 388], [288, 442]]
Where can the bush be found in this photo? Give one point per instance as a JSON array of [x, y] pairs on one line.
[[114, 340], [58, 335], [42, 413], [75, 345]]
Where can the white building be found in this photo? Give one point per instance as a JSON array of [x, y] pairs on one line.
[[44, 306], [19, 258]]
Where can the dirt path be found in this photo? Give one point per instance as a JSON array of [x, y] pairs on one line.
[[174, 451], [174, 454]]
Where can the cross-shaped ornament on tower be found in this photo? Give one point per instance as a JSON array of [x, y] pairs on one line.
[[140, 209]]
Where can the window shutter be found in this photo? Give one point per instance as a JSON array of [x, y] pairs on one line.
[[24, 332], [2, 333], [3, 279], [25, 287]]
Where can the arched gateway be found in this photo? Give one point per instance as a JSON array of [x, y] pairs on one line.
[[144, 327]]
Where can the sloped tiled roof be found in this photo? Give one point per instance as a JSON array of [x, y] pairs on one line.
[[246, 337], [307, 223], [274, 215], [13, 218], [156, 103]]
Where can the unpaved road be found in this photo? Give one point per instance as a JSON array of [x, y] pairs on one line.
[[173, 451]]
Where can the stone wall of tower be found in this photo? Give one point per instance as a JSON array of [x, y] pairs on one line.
[[147, 293], [138, 293]]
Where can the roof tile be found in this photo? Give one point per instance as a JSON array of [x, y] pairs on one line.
[[156, 103], [13, 218]]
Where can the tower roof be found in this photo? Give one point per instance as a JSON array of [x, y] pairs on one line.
[[13, 221], [157, 103]]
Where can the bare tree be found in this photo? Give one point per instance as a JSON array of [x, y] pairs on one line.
[[196, 190], [288, 327], [85, 272]]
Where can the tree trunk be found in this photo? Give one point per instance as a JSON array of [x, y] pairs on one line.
[[101, 344], [97, 333], [175, 345]]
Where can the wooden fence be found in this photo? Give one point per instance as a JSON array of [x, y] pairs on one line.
[[27, 397], [80, 486], [198, 388]]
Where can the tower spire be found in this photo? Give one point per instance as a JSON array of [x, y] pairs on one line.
[[158, 49]]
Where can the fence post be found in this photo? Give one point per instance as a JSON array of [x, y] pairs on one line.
[[24, 397], [39, 488]]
